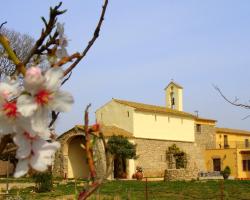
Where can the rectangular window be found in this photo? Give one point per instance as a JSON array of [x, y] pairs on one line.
[[155, 118], [168, 119], [246, 143], [198, 128], [128, 113], [226, 141], [246, 165]]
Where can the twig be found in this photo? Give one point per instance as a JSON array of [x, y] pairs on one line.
[[51, 41], [66, 79], [88, 145], [229, 101], [54, 118], [6, 45], [245, 117], [89, 153], [64, 60], [85, 194], [3, 24], [54, 12], [92, 41]]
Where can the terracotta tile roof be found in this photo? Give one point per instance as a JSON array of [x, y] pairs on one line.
[[205, 119], [113, 130], [106, 130], [154, 109], [232, 131], [174, 83]]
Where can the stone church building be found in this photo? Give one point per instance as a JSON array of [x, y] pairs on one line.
[[153, 129]]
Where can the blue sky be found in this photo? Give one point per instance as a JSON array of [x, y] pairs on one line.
[[145, 44]]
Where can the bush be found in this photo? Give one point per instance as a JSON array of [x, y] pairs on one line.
[[226, 172], [43, 181]]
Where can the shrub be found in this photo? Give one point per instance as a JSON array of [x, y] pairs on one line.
[[226, 172], [43, 181]]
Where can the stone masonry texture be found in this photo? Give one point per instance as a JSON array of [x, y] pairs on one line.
[[152, 156]]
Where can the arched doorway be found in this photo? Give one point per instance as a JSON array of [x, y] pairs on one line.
[[120, 168], [77, 160]]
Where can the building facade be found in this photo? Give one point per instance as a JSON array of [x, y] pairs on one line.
[[156, 128], [232, 148]]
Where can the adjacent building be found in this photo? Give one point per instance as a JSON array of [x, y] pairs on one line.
[[232, 149]]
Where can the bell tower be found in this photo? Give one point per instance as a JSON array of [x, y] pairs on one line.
[[174, 96]]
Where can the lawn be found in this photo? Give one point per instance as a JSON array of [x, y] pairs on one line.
[[136, 190]]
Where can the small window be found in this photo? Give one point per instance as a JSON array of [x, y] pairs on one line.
[[168, 119], [246, 143], [128, 113], [155, 117], [198, 128], [226, 145], [246, 165]]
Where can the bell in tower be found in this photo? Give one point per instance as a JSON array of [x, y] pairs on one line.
[[174, 96]]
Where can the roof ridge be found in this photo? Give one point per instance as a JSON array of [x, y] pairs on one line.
[[168, 110], [231, 129]]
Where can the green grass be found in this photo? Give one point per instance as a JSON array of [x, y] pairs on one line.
[[178, 189], [15, 180], [135, 190]]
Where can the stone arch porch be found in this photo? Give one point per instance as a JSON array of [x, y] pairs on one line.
[[70, 160]]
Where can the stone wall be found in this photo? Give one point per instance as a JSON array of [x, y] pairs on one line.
[[58, 166], [152, 156], [206, 137], [179, 174], [190, 172]]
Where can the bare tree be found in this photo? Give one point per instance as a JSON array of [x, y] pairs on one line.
[[20, 43]]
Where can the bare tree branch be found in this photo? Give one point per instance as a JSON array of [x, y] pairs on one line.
[[3, 24], [20, 67], [66, 79], [246, 117], [64, 60], [21, 44], [51, 41], [231, 102], [54, 116], [92, 41], [54, 12]]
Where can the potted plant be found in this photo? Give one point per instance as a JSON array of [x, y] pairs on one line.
[[226, 172], [139, 173]]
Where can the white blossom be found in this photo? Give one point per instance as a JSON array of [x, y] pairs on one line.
[[63, 42], [44, 96], [26, 105], [33, 152], [8, 107]]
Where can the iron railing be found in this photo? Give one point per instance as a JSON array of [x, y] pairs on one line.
[[230, 145]]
